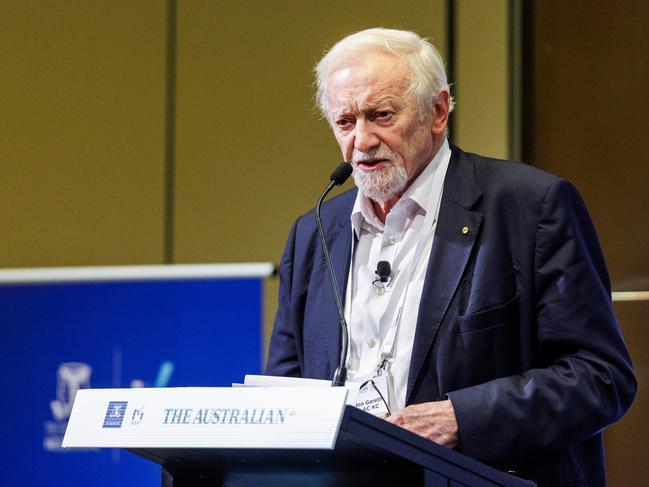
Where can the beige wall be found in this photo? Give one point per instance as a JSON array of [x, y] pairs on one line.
[[481, 86], [81, 132]]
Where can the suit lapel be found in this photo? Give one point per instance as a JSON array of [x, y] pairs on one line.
[[452, 247]]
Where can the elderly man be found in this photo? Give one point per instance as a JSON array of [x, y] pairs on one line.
[[495, 331]]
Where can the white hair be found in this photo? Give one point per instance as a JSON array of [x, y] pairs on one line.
[[428, 72]]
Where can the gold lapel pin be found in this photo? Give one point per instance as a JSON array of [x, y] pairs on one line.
[[465, 230]]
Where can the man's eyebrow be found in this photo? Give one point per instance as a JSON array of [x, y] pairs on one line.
[[389, 103], [389, 100], [368, 107], [343, 112]]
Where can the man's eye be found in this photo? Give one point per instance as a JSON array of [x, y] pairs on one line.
[[343, 122], [383, 115]]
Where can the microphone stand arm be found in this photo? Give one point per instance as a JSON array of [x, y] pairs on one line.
[[340, 376]]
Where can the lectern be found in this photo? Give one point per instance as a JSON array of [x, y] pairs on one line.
[[269, 438]]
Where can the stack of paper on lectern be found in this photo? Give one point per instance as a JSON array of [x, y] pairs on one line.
[[364, 398], [273, 381]]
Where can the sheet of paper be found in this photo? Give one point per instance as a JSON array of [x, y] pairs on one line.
[[355, 397], [273, 381]]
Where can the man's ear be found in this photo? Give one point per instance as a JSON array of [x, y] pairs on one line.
[[441, 108]]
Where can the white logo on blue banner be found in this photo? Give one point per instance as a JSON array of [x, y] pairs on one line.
[[70, 377]]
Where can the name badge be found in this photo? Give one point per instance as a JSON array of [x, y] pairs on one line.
[[369, 393]]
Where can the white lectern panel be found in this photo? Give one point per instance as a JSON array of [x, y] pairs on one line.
[[206, 418]]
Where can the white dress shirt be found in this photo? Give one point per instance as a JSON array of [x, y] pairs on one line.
[[369, 312]]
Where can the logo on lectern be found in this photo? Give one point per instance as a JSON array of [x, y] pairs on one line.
[[115, 414], [138, 415]]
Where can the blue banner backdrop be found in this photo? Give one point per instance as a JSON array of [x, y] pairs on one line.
[[58, 338]]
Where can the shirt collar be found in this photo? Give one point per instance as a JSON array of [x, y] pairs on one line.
[[418, 193]]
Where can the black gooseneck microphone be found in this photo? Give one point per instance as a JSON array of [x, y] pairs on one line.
[[338, 177]]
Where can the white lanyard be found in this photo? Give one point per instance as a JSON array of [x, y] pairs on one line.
[[387, 350]]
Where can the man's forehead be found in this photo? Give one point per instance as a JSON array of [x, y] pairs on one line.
[[372, 81], [373, 68]]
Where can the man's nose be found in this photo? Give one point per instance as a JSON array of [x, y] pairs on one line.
[[364, 136]]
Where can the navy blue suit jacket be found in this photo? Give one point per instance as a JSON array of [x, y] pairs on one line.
[[515, 322]]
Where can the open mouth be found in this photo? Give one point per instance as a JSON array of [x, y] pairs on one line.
[[371, 164]]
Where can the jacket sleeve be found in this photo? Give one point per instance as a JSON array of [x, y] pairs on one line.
[[283, 355], [584, 380]]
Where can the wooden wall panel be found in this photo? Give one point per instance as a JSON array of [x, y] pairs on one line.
[[81, 132], [481, 77], [590, 118], [626, 441]]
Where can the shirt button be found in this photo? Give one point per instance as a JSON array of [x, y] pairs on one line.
[[392, 240], [380, 291], [371, 342]]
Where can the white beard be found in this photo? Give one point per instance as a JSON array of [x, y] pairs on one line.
[[380, 184]]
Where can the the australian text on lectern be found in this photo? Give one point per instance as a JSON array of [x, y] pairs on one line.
[[266, 436]]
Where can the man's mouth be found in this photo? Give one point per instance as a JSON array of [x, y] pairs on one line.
[[371, 164]]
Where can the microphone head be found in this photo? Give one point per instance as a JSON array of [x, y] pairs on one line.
[[341, 173], [383, 270]]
